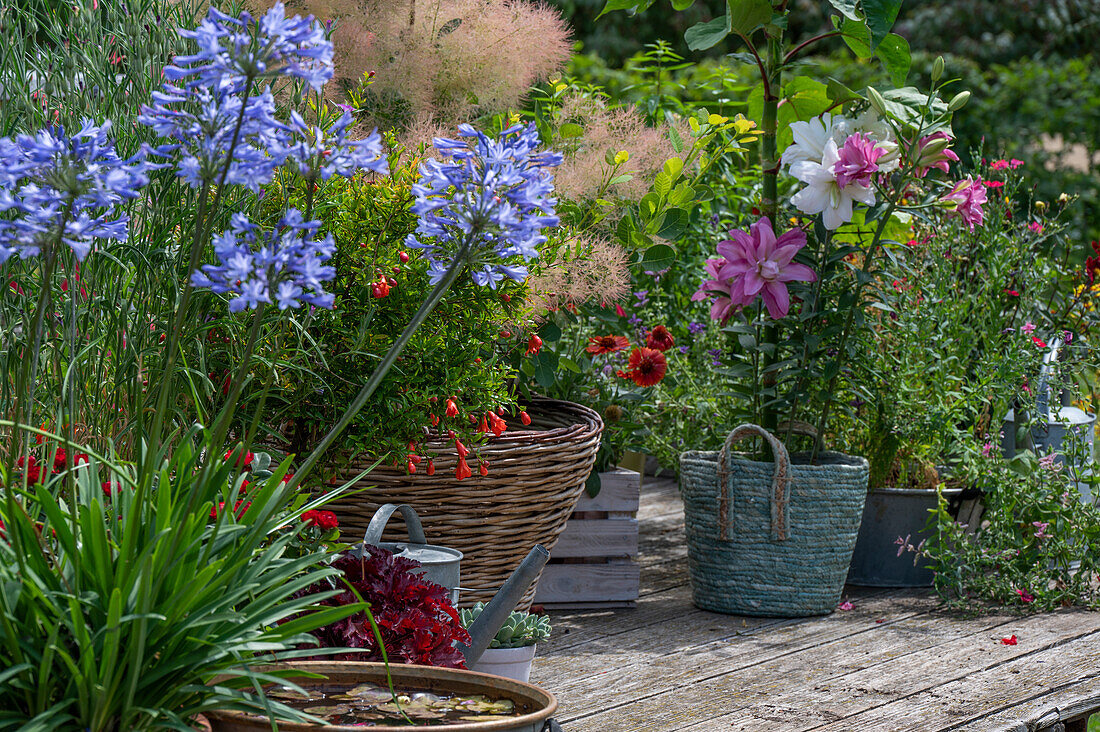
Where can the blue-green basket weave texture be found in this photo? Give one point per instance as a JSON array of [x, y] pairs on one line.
[[778, 541]]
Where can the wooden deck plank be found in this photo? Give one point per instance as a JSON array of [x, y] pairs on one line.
[[668, 666]]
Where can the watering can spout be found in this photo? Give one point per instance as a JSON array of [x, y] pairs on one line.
[[493, 617]]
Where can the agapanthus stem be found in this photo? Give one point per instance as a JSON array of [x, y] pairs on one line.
[[387, 361]]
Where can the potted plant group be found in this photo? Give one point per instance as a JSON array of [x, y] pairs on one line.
[[512, 650]]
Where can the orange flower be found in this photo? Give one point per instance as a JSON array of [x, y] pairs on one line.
[[599, 345], [660, 339], [452, 408], [646, 367]]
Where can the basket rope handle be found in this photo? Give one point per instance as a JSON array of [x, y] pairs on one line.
[[781, 481], [381, 518]]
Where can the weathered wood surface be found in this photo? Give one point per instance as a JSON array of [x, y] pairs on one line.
[[892, 662]]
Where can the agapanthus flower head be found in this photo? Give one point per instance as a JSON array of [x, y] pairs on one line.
[[233, 51], [322, 153], [494, 194], [285, 266], [54, 185], [933, 152], [646, 367], [211, 128], [660, 339], [600, 345], [824, 194], [755, 264], [968, 196]]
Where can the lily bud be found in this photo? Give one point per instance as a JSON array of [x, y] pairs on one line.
[[959, 101], [876, 100], [937, 69]]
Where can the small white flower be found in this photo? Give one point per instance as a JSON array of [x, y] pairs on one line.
[[822, 195], [809, 139]]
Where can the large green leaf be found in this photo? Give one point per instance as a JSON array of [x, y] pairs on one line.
[[880, 15], [702, 36], [895, 56], [658, 257], [857, 36], [803, 99], [847, 8], [632, 6], [748, 15]]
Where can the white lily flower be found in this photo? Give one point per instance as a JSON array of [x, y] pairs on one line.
[[809, 139], [822, 195]]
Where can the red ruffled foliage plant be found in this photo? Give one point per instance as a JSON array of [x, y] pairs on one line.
[[416, 619]]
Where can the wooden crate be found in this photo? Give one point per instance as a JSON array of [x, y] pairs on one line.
[[594, 565]]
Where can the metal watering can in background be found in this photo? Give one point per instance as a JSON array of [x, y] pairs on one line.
[[440, 564], [1062, 422]]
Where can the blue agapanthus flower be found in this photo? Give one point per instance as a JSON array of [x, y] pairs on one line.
[[73, 187], [209, 129], [285, 266], [495, 194], [322, 153], [236, 51]]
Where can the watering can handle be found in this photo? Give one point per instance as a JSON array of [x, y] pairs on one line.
[[381, 518], [781, 481]]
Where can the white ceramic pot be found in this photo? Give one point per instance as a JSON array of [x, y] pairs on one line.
[[511, 663]]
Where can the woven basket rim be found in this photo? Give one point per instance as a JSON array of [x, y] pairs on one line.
[[837, 460]]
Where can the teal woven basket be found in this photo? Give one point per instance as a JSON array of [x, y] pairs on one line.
[[770, 539]]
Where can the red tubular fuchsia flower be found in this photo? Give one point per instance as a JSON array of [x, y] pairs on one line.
[[534, 344], [755, 264]]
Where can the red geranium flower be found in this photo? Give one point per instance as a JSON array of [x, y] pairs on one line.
[[646, 367], [599, 345], [660, 339], [34, 470], [1039, 341], [324, 520], [244, 460]]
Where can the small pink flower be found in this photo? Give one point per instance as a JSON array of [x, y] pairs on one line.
[[999, 165], [1025, 596], [1036, 227], [845, 606], [1014, 163], [993, 183], [1042, 526], [968, 195], [987, 449], [858, 161], [932, 153], [1027, 328]]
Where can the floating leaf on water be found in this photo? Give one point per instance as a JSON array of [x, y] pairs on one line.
[[370, 693], [328, 710]]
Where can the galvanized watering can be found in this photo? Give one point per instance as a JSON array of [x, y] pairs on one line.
[[440, 564]]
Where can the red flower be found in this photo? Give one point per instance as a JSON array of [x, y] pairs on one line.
[[380, 288], [239, 509], [244, 460], [619, 311], [61, 459], [324, 520], [1025, 596], [431, 467], [660, 339], [1039, 341], [462, 470], [497, 425], [483, 468], [1014, 293], [461, 449], [1009, 641], [646, 367], [599, 345], [533, 345], [993, 183], [452, 408], [34, 470], [109, 488]]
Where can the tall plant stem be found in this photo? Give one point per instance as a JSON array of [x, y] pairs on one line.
[[388, 360], [769, 206], [862, 280]]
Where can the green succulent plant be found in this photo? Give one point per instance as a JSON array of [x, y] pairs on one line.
[[520, 629]]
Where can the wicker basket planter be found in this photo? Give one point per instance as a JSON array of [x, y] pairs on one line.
[[536, 475]]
